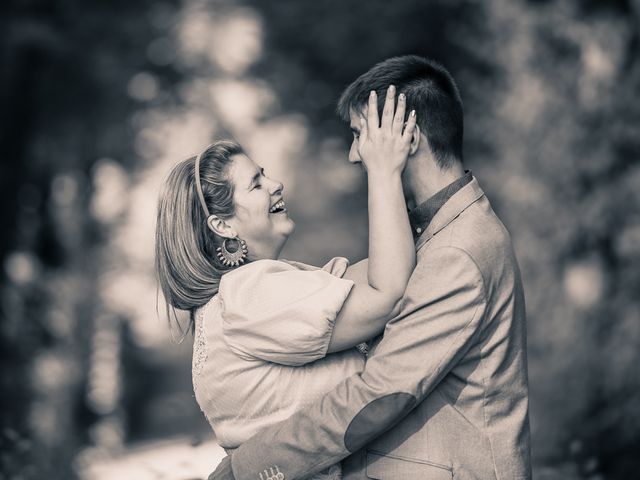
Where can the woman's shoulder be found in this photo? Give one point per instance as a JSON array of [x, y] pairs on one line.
[[253, 272], [265, 264], [270, 276], [275, 307], [257, 287]]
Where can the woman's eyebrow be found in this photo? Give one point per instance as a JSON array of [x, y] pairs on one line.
[[355, 131], [256, 177]]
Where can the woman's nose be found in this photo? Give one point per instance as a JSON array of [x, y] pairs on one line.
[[276, 187]]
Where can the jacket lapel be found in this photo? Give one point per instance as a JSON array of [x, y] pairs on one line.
[[457, 204]]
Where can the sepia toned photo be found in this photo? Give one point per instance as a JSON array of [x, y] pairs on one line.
[[326, 240]]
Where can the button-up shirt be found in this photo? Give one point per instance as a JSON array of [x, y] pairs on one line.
[[420, 217]]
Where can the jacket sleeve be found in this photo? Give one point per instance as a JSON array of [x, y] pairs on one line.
[[442, 315]]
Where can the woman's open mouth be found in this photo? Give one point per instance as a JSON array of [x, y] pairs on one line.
[[278, 207]]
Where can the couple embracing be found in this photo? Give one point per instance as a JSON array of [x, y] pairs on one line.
[[280, 365]]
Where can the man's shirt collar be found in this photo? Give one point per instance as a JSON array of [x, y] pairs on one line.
[[420, 217]]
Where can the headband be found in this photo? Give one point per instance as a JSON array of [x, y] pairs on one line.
[[199, 186]]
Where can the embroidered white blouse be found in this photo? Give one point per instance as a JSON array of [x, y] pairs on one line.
[[260, 347]]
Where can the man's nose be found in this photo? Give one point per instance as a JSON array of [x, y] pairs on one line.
[[354, 156]]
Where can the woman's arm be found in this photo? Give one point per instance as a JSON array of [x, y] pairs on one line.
[[383, 148], [358, 272]]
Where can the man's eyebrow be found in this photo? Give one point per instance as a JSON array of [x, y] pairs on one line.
[[355, 130]]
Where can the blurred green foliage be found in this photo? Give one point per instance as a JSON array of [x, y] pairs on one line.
[[552, 132]]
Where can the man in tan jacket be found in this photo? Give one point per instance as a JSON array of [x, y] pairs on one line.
[[444, 393]]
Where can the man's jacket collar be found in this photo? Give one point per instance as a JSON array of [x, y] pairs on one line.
[[457, 204]]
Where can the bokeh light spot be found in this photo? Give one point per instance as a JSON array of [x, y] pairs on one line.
[[143, 87], [584, 283]]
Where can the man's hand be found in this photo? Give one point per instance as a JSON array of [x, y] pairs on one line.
[[223, 472]]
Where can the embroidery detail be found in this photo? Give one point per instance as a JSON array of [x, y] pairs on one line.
[[199, 346], [272, 474]]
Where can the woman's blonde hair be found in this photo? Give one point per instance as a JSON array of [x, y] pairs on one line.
[[188, 270]]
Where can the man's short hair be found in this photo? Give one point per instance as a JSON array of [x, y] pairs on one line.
[[430, 91]]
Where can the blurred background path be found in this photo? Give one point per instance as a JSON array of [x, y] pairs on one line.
[[168, 459]]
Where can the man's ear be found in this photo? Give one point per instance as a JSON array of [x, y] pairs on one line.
[[220, 227], [415, 140]]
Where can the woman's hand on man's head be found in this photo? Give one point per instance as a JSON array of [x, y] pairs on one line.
[[383, 143]]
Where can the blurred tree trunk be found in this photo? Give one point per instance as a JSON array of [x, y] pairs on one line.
[[64, 70]]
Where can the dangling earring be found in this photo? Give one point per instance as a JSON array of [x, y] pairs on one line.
[[232, 259]]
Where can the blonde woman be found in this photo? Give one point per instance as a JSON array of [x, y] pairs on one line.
[[273, 335]]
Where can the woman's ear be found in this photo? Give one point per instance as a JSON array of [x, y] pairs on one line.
[[415, 140], [220, 227]]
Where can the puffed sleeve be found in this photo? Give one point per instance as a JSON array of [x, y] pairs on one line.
[[282, 312]]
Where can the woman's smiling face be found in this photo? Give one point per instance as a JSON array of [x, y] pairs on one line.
[[261, 217]]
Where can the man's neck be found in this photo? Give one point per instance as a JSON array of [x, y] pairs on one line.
[[423, 179]]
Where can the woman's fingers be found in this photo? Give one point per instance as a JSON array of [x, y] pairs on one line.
[[389, 105], [407, 135], [364, 134], [373, 120], [391, 124], [382, 144], [398, 119]]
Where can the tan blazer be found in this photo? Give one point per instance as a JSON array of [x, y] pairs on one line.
[[444, 394]]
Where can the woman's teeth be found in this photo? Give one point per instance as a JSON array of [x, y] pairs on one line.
[[278, 207]]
